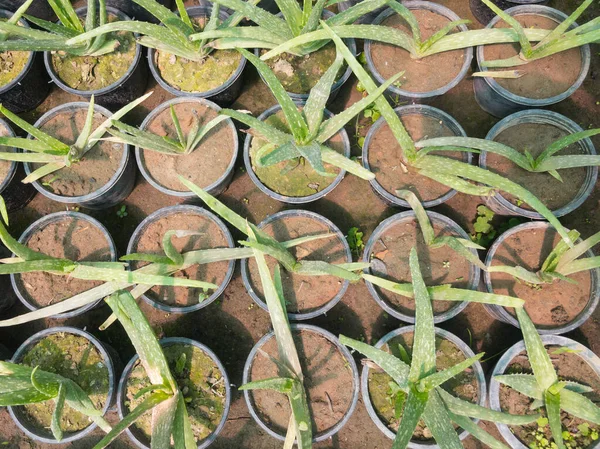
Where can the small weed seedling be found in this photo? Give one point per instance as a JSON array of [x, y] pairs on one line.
[[308, 131], [560, 263], [52, 152], [122, 212], [56, 36], [484, 231], [417, 378], [355, 241], [546, 390]]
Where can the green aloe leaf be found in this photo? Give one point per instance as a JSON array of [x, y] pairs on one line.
[[59, 403], [552, 402], [320, 268], [56, 145], [393, 366], [436, 379], [279, 384], [564, 142], [270, 133], [339, 160], [514, 24], [294, 118], [541, 364], [441, 34], [562, 27], [423, 356], [580, 406], [523, 383], [438, 421], [409, 18], [183, 435], [319, 94], [416, 402], [477, 431], [147, 404], [458, 184], [460, 407], [420, 214]]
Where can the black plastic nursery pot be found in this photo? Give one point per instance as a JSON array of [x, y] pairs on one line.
[[39, 8], [546, 81], [535, 130], [148, 236], [127, 74], [381, 154], [374, 384], [330, 379], [89, 183], [61, 350], [554, 308], [210, 166], [483, 14], [135, 11], [577, 364], [183, 79], [70, 235], [16, 194], [301, 184], [307, 296], [29, 88], [299, 74], [205, 366], [388, 251], [422, 80]]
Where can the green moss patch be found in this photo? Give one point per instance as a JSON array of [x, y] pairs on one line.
[[88, 73], [12, 64], [75, 358]]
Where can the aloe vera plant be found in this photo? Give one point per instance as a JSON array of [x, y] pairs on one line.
[[422, 383], [545, 387], [455, 174], [56, 36], [23, 385], [163, 397], [125, 133], [547, 162], [412, 41], [272, 31], [50, 151], [560, 263], [160, 268], [174, 36], [557, 40], [291, 381], [461, 246], [308, 131]]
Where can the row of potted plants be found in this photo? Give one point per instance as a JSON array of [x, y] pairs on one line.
[[399, 382], [193, 53]]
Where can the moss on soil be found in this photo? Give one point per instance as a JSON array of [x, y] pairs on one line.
[[198, 379], [88, 73], [76, 358], [12, 64]]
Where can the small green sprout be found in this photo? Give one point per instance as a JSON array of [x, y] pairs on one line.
[[355, 241], [122, 212]]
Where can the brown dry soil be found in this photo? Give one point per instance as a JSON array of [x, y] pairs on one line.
[[77, 359], [569, 366], [327, 381], [303, 293], [420, 75], [548, 305], [300, 178], [463, 386], [87, 73], [95, 168], [232, 325], [385, 157], [205, 164], [535, 138], [438, 266], [68, 238], [197, 377], [545, 77], [211, 236]]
